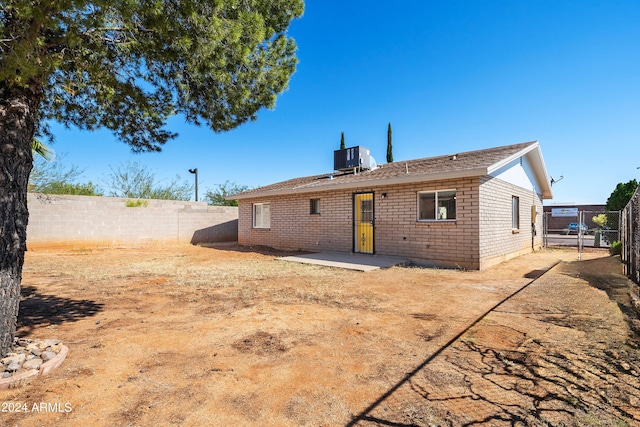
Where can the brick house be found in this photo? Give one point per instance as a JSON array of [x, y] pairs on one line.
[[469, 210]]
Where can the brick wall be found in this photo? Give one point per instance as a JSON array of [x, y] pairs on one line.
[[480, 236], [397, 231], [91, 221], [498, 242]]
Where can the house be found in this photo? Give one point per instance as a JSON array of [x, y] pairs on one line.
[[466, 210]]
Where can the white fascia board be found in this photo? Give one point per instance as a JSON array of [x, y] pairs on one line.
[[541, 175], [374, 182]]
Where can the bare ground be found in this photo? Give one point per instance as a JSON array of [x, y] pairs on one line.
[[185, 335]]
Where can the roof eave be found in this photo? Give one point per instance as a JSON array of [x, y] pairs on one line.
[[368, 183]]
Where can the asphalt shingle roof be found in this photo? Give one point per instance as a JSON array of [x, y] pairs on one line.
[[470, 163]]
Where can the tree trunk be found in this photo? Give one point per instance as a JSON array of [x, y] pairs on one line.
[[18, 117]]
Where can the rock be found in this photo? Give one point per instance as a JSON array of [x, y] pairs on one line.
[[13, 366], [28, 355], [6, 360], [14, 358], [56, 347], [48, 355], [32, 364]]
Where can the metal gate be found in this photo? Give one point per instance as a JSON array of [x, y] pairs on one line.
[[581, 229], [363, 217]]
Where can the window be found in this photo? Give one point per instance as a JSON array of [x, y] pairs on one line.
[[314, 208], [366, 210], [437, 205], [262, 215], [515, 213]]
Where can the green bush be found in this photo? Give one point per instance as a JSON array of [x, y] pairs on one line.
[[136, 203], [616, 248]]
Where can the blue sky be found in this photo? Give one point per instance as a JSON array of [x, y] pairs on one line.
[[450, 76]]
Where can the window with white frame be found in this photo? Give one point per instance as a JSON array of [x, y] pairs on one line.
[[437, 205], [261, 215], [515, 213]]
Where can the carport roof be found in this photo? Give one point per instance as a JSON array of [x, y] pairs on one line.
[[450, 166]]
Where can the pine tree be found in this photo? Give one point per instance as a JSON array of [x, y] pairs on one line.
[[126, 66], [342, 146], [389, 145]]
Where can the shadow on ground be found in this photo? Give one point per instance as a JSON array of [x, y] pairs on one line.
[[548, 356], [606, 274], [38, 310], [262, 250]]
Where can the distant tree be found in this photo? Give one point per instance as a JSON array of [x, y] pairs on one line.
[[342, 146], [136, 181], [621, 195], [52, 177], [389, 145], [126, 66], [217, 197], [600, 220], [86, 189]]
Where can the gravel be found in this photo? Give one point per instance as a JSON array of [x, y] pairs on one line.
[[27, 354]]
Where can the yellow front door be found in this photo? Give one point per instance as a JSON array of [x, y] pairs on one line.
[[363, 227]]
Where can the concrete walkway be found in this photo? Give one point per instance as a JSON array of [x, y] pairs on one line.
[[350, 261]]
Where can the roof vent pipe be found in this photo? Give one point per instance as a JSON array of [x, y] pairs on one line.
[[406, 169]]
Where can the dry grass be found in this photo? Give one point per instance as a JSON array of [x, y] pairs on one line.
[[197, 336]]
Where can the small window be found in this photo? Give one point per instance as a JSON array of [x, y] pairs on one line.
[[437, 205], [262, 215], [515, 213], [314, 207]]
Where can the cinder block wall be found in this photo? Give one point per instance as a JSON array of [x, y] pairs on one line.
[[498, 241], [397, 231], [96, 221]]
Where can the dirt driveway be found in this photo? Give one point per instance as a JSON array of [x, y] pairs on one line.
[[186, 335]]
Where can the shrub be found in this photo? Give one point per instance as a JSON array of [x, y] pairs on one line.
[[136, 203], [616, 248]]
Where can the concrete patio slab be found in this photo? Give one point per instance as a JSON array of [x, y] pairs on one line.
[[350, 261]]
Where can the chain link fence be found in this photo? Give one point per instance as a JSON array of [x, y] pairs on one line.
[[631, 238], [582, 229]]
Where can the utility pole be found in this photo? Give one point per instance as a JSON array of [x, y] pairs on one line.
[[195, 171]]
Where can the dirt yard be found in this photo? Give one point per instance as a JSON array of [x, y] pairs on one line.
[[195, 336]]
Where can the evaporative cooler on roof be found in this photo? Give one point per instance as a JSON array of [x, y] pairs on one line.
[[353, 157]]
